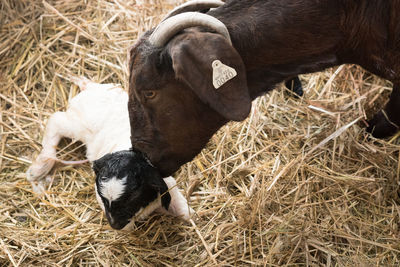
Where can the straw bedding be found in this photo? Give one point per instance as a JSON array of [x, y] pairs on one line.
[[297, 183]]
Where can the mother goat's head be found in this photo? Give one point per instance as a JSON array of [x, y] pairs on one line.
[[186, 81]]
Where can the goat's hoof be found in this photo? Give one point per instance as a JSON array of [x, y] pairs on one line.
[[39, 168], [294, 85], [39, 187], [188, 214], [82, 82], [380, 127], [298, 91]]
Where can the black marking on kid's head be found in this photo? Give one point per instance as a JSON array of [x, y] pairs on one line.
[[138, 184]]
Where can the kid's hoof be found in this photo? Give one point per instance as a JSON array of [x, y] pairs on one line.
[[39, 168]]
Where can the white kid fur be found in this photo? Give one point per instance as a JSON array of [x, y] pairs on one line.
[[97, 116]]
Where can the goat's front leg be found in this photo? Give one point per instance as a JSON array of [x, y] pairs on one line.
[[294, 85], [387, 121], [57, 127]]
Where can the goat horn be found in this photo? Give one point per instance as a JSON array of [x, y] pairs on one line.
[[168, 28], [194, 5]]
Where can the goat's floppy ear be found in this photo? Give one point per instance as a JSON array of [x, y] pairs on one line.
[[214, 70]]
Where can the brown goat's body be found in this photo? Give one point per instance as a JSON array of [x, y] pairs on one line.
[[275, 40], [286, 38]]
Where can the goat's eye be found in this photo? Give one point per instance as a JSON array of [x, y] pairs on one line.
[[149, 94]]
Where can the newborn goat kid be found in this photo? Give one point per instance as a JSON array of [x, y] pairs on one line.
[[127, 185]]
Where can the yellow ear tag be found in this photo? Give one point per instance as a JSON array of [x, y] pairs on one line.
[[221, 73]]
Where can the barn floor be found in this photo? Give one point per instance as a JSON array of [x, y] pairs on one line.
[[297, 183]]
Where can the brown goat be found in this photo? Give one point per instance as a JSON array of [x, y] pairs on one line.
[[173, 105]]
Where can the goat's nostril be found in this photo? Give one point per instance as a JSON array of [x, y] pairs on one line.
[[110, 218]]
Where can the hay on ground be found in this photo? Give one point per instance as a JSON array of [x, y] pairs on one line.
[[297, 183]]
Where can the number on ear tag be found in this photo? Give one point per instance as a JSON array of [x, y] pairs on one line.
[[222, 73]]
